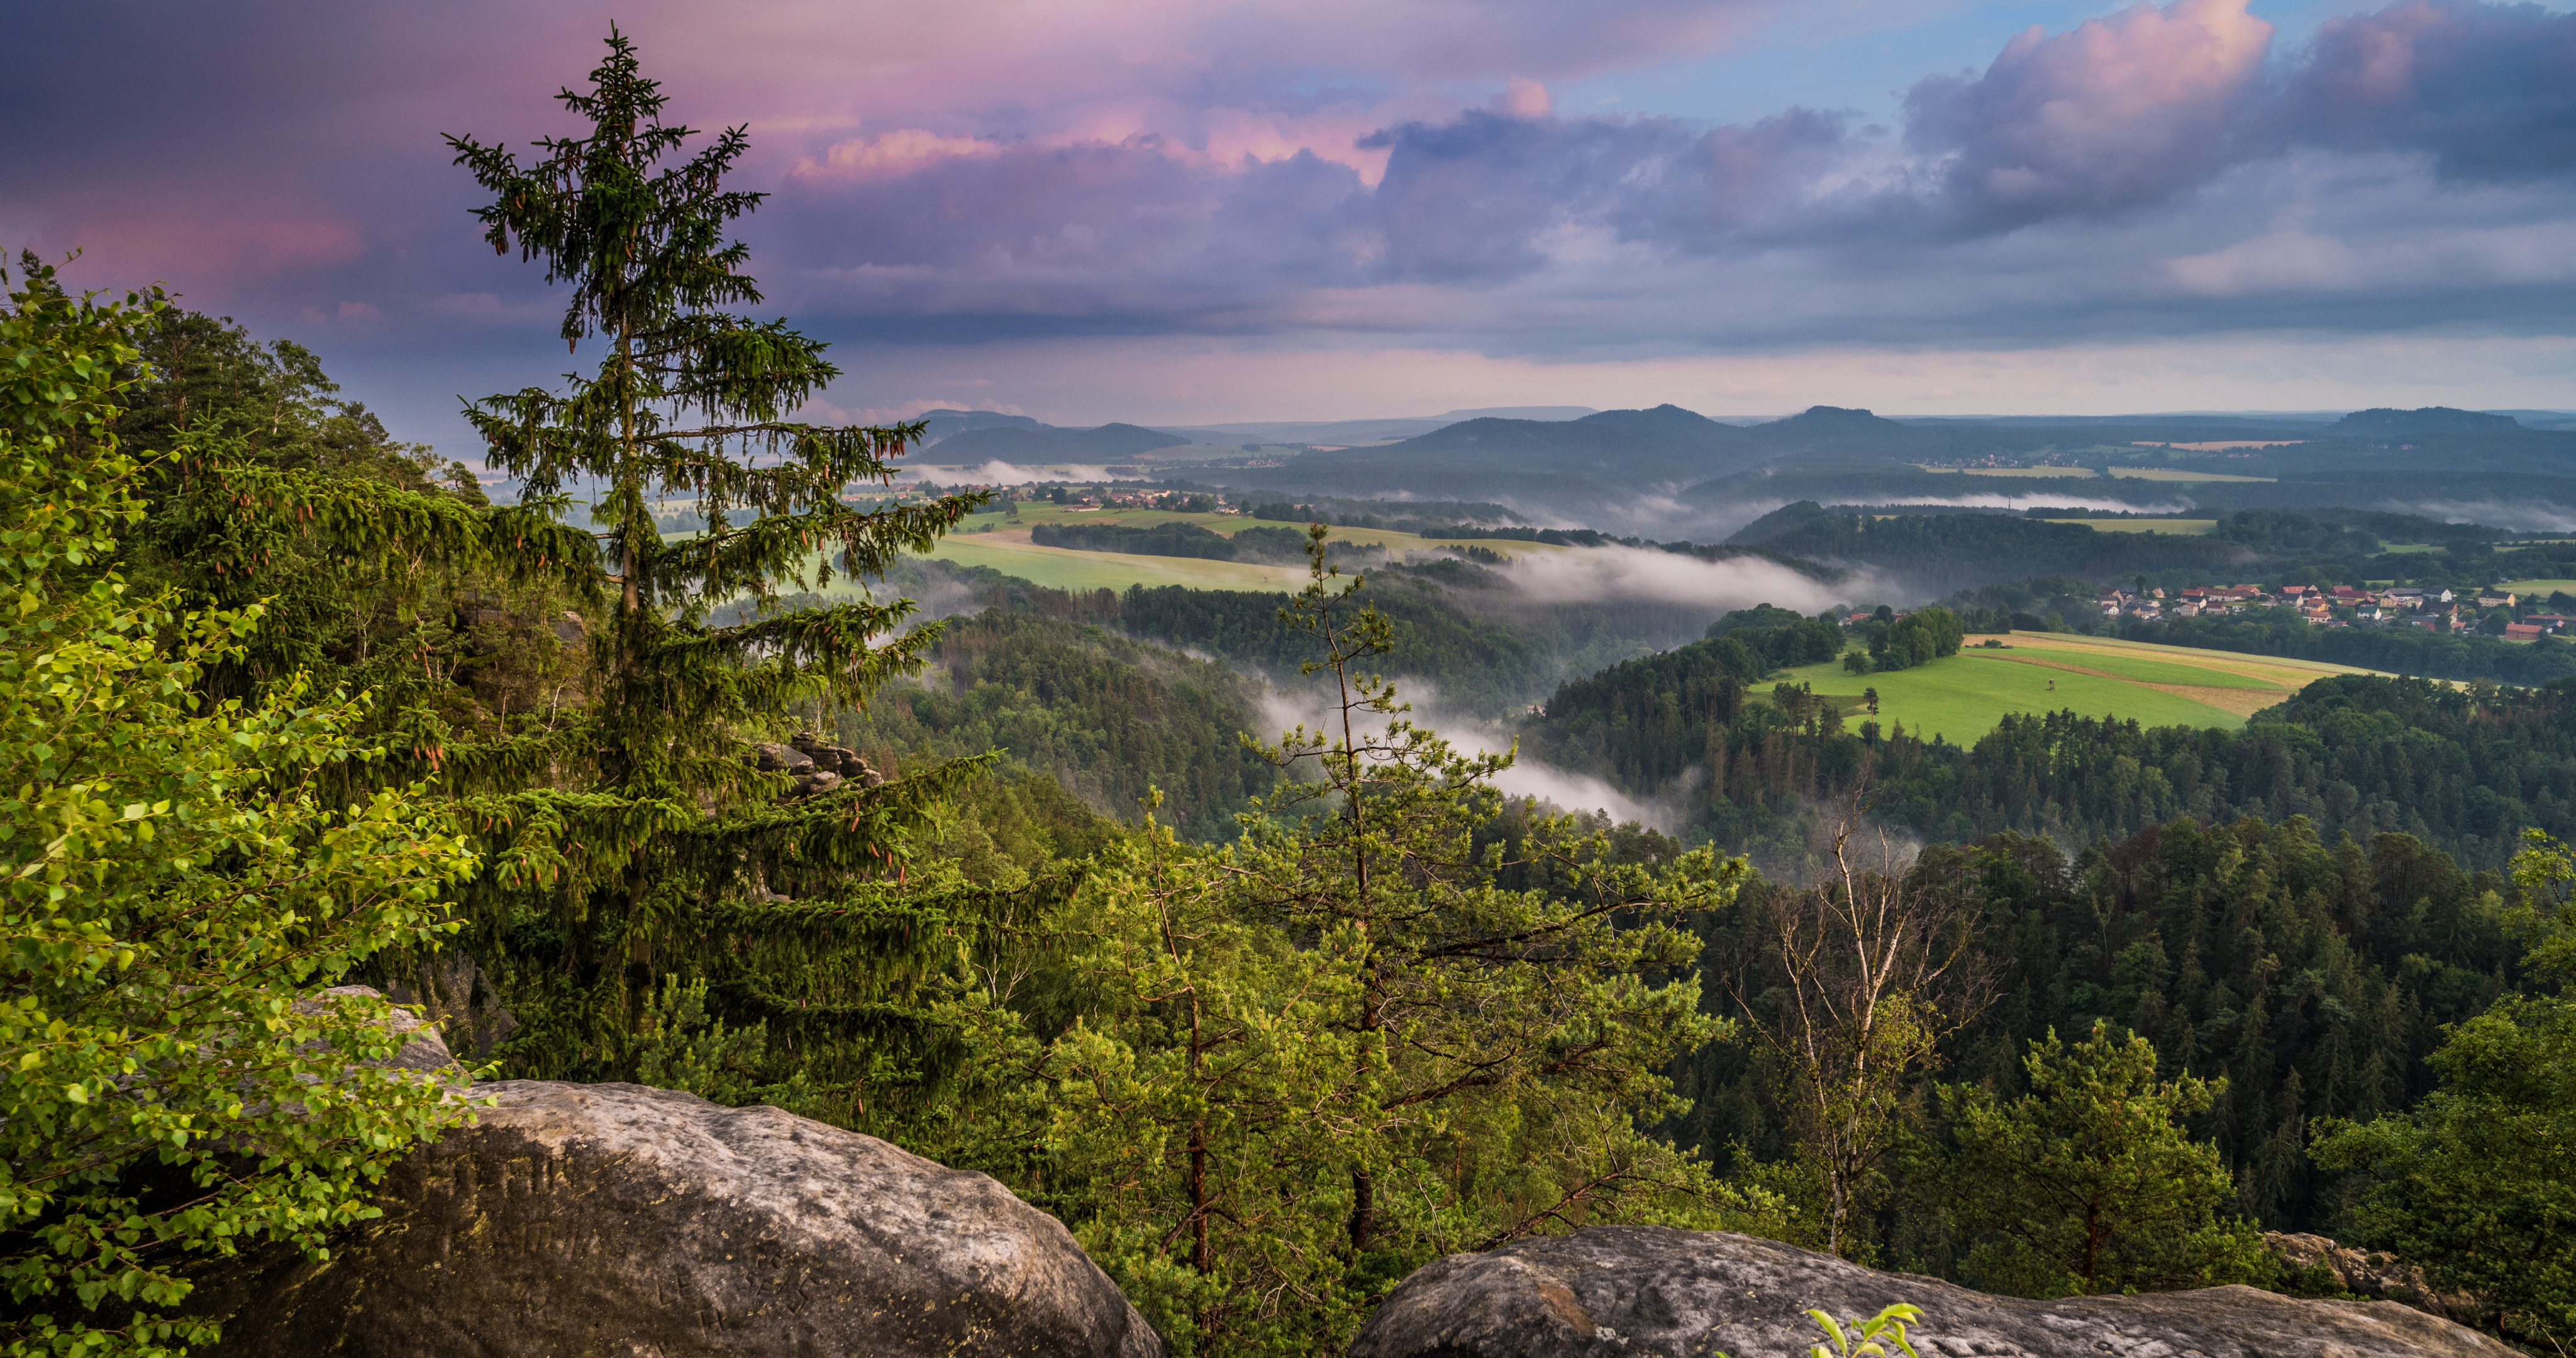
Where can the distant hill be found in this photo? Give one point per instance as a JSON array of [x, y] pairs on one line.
[[945, 423], [1832, 431], [1365, 431], [1045, 444], [1633, 448], [2429, 420]]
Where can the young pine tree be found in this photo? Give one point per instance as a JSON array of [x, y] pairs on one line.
[[652, 848], [2088, 1184]]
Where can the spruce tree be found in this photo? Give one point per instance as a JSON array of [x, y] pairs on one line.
[[651, 846]]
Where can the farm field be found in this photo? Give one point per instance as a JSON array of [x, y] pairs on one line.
[[1007, 548], [2180, 527], [1964, 697], [2179, 474], [2543, 588], [1062, 568]]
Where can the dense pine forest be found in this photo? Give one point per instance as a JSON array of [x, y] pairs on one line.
[[1036, 886], [2464, 769]]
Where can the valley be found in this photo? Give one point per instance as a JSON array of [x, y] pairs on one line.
[[1402, 680]]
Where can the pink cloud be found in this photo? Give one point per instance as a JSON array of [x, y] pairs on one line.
[[201, 249], [1523, 99], [2123, 110], [889, 155]]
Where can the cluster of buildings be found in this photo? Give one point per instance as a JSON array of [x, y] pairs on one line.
[[2435, 609]]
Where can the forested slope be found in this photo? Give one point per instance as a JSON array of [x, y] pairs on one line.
[[2465, 769], [2314, 977], [1938, 553], [1475, 642], [1107, 717]]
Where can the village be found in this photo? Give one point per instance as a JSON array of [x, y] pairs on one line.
[[2496, 612]]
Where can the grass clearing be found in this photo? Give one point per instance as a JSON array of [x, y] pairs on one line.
[[2189, 528], [1967, 695], [2543, 588], [990, 539], [2180, 474]]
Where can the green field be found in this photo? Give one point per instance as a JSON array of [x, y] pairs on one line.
[[2179, 474], [2181, 527], [1964, 697], [1058, 568], [2543, 588], [1006, 548]]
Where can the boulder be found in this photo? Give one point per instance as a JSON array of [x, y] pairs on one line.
[[424, 1050], [584, 1221], [1636, 1291], [2373, 1275], [769, 756], [840, 759]]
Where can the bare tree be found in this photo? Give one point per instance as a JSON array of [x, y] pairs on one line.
[[1872, 974]]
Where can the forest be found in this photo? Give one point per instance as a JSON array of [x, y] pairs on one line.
[[1037, 887], [2466, 769]]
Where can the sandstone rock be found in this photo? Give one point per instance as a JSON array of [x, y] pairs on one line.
[[1635, 1291], [2373, 1275], [840, 759], [812, 784], [424, 1050], [584, 1221], [772, 757]]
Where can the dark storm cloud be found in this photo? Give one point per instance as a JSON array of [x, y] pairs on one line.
[[2487, 91]]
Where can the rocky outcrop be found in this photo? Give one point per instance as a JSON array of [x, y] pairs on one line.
[[424, 1049], [814, 766], [2372, 1275], [1635, 1291], [584, 1221], [453, 993]]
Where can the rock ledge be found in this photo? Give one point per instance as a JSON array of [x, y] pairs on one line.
[[591, 1221], [1635, 1291]]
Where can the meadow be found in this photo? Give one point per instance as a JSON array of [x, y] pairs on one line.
[[2542, 588], [2179, 474], [993, 540], [1967, 695]]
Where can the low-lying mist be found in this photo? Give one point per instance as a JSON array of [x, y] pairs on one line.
[[2537, 516], [2028, 502], [1577, 575], [998, 473], [1284, 707]]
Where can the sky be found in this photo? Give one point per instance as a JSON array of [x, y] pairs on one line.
[[1171, 212]]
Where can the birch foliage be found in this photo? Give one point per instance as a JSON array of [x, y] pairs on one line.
[[176, 874]]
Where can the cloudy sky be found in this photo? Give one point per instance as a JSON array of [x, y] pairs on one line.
[[1168, 211]]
